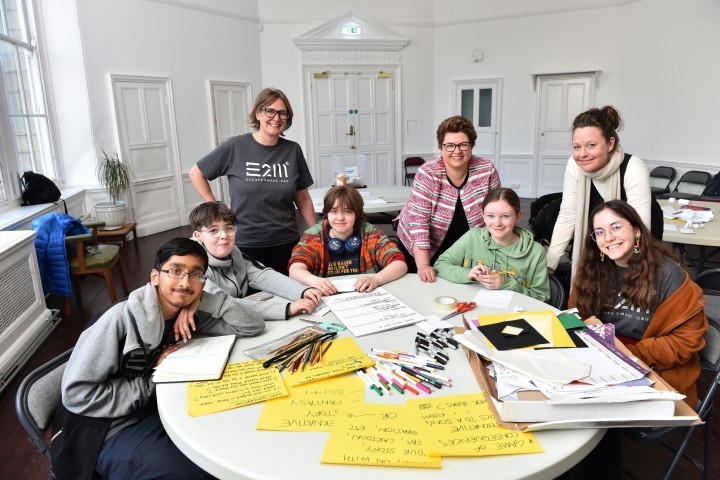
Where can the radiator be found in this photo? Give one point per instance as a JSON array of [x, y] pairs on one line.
[[25, 321]]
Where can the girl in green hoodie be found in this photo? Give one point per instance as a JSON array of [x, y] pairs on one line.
[[500, 255]]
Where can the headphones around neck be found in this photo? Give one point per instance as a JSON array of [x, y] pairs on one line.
[[351, 245]]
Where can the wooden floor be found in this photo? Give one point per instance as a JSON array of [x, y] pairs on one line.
[[18, 459]]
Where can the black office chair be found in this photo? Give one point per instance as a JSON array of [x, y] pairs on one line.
[[665, 176], [709, 281], [411, 162], [710, 362], [558, 298], [690, 186], [36, 399]]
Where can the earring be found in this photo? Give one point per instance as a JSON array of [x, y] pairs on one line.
[[602, 257], [636, 249]]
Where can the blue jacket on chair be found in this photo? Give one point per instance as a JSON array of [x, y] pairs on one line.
[[52, 256]]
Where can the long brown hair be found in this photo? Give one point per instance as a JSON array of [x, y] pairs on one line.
[[595, 283]]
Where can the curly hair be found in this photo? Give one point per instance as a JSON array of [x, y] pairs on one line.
[[595, 284], [267, 97], [456, 124]]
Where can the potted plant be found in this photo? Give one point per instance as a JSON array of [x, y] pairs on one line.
[[114, 174]]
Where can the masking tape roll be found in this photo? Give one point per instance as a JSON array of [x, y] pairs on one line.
[[445, 303]]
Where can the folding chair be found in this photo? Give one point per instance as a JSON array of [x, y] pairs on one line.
[[664, 176], [37, 397]]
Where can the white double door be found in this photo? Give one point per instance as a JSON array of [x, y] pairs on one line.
[[560, 99], [353, 124]]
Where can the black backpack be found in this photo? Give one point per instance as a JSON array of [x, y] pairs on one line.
[[543, 215], [38, 189], [713, 189]]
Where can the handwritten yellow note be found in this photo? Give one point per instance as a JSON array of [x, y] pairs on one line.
[[378, 434], [344, 355], [313, 407], [544, 321], [242, 384], [463, 425]]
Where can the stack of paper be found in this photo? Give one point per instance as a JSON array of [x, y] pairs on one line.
[[198, 359], [596, 382]]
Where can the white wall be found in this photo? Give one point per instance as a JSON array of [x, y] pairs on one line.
[[655, 63], [151, 38], [657, 59]]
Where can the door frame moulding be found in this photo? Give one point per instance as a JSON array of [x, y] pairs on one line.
[[457, 86], [325, 49], [172, 126]]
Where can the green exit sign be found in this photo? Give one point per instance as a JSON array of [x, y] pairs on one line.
[[351, 30]]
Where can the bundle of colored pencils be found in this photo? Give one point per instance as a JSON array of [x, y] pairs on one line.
[[300, 352]]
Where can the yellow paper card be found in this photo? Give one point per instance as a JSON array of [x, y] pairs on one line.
[[312, 407], [544, 321], [344, 355], [378, 434], [242, 384], [464, 426]]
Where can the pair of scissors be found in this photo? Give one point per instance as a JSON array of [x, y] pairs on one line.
[[327, 326], [462, 307]]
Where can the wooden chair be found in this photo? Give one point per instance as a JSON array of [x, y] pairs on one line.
[[91, 258]]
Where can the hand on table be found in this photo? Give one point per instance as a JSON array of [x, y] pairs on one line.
[[166, 351], [367, 283], [324, 285], [304, 306], [427, 274], [313, 294]]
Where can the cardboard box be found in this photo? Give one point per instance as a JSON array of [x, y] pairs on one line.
[[533, 405]]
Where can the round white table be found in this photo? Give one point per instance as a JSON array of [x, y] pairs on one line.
[[227, 445]]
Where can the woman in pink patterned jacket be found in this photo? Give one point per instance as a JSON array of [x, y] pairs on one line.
[[446, 199]]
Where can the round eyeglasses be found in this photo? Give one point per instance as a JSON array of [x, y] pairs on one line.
[[450, 147], [271, 112], [615, 230], [216, 232], [195, 277]]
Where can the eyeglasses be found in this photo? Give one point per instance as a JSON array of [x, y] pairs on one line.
[[450, 147], [216, 232], [616, 230], [271, 112], [195, 277]]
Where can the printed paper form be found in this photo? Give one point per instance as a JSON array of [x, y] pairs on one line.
[[364, 313]]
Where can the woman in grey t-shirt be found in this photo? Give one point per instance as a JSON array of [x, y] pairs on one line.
[[268, 178]]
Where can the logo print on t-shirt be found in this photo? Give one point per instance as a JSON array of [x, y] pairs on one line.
[[277, 172]]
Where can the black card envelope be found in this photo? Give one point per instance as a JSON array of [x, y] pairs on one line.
[[501, 341]]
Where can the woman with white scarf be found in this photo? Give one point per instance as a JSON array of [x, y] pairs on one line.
[[595, 165]]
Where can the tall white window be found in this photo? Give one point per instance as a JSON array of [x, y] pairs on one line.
[[23, 107]]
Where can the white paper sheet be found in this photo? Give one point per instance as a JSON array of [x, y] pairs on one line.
[[364, 313], [494, 298]]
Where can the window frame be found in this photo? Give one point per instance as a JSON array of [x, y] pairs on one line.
[[11, 167]]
